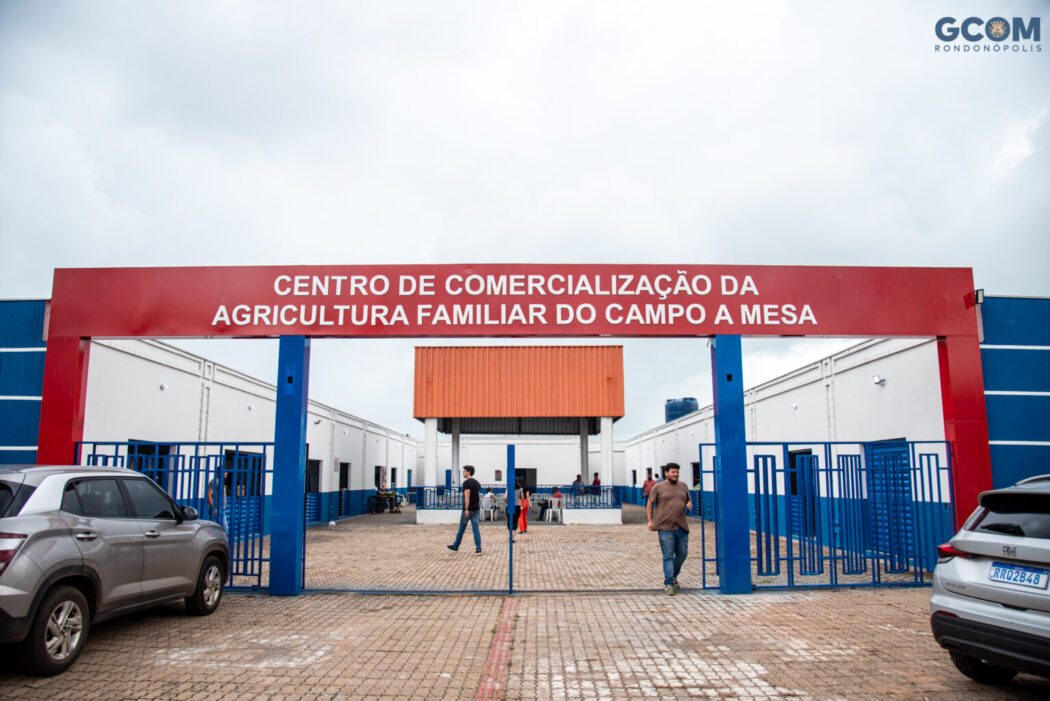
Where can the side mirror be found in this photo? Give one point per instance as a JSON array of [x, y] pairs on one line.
[[189, 513]]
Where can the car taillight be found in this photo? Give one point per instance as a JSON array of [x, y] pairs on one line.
[[948, 551], [9, 545]]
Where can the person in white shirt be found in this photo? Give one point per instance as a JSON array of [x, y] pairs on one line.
[[488, 501]]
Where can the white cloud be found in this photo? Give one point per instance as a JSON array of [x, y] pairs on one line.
[[1017, 146], [236, 133]]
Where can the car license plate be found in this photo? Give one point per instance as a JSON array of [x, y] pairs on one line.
[[1033, 577]]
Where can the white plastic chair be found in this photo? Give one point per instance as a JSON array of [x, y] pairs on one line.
[[488, 508], [554, 507]]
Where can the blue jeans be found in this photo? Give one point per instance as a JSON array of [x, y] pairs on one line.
[[473, 518], [675, 547]]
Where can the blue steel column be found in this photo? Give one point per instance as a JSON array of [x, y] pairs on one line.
[[510, 514], [287, 525], [734, 541]]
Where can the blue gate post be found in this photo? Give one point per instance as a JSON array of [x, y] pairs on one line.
[[733, 527], [511, 496], [287, 528]]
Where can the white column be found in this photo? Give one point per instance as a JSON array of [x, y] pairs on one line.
[[607, 451], [585, 463], [455, 449], [430, 452]]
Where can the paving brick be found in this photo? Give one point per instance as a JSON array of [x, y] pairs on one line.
[[816, 644]]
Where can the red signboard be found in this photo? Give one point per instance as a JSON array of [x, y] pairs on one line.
[[512, 300], [522, 300]]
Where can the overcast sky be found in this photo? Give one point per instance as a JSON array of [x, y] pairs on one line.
[[245, 133]]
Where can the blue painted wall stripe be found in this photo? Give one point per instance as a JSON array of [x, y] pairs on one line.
[[17, 456], [1023, 365], [21, 373], [19, 422], [22, 323], [1016, 370], [1018, 418], [1016, 321], [1015, 462], [21, 378]]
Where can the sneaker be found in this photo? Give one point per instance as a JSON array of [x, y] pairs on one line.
[[669, 590], [675, 584], [477, 551], [453, 548]]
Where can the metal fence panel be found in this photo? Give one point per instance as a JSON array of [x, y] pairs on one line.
[[191, 473], [839, 513]]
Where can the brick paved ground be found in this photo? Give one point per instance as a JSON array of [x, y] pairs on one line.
[[360, 553], [825, 644], [389, 552]]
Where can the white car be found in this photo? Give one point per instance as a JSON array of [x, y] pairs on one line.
[[990, 606]]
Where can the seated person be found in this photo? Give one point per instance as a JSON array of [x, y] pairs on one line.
[[488, 500], [395, 500], [546, 503], [385, 497]]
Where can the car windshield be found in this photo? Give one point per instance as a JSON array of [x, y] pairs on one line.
[[1025, 515]]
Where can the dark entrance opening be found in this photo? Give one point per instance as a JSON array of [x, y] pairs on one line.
[[527, 475], [244, 473], [313, 476], [803, 491], [151, 459], [344, 476]]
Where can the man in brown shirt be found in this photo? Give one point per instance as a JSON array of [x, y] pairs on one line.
[[666, 510]]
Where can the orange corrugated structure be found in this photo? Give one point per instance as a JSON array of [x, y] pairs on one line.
[[519, 382]]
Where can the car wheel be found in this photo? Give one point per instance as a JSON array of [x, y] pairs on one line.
[[982, 671], [206, 596], [58, 633]]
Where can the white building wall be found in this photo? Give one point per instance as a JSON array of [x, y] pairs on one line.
[[556, 459], [375, 456], [349, 447], [121, 384], [201, 401], [831, 400], [594, 457], [235, 405]]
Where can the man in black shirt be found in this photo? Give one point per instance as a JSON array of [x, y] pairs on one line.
[[471, 505]]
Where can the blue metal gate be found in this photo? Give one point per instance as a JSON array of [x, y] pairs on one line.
[[839, 513], [889, 487], [229, 483]]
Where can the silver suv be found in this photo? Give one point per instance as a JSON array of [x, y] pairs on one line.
[[82, 544], [990, 606]]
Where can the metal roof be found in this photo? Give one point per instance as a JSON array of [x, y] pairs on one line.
[[519, 389]]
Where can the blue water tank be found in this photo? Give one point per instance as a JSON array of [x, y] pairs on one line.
[[675, 408]]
